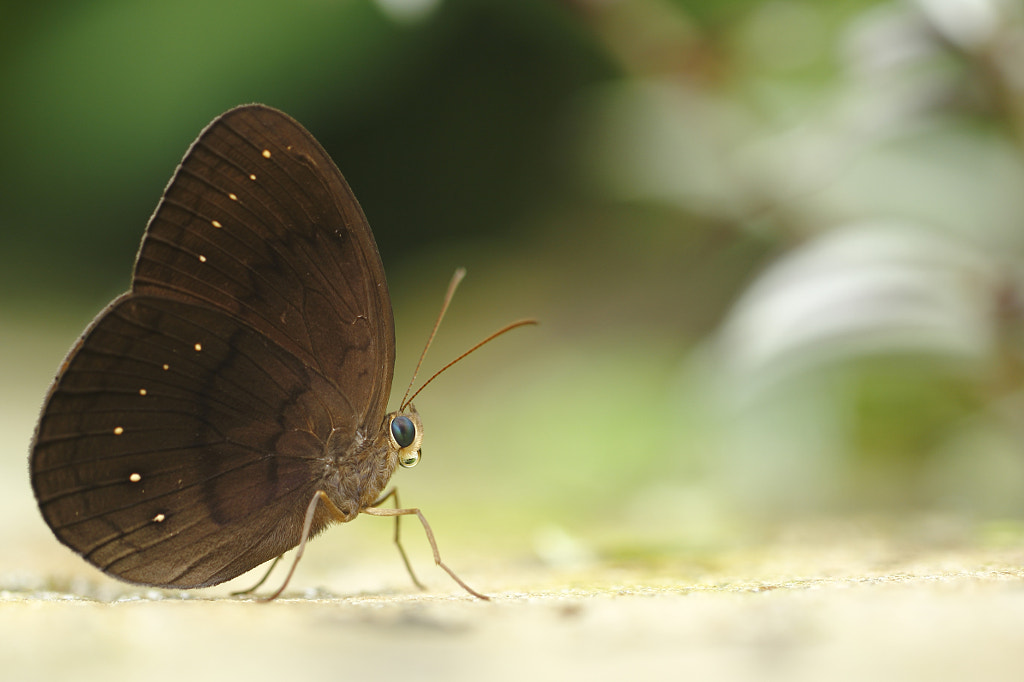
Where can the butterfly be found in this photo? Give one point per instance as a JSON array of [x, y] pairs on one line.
[[233, 403]]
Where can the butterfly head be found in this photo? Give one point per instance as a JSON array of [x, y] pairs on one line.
[[406, 432]]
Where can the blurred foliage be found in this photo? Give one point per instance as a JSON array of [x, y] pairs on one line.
[[775, 244], [443, 125]]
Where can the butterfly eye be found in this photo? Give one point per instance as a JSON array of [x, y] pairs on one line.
[[403, 431]]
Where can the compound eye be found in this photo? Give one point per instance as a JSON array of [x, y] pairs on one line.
[[403, 431]]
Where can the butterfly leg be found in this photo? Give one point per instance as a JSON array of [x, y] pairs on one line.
[[318, 496], [374, 511], [398, 542], [273, 565]]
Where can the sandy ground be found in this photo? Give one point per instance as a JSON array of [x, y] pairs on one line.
[[833, 611]]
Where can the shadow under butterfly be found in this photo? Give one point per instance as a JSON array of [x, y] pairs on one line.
[[232, 404]]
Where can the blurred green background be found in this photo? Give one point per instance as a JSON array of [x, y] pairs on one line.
[[775, 247]]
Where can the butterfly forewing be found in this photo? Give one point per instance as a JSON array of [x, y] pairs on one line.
[[258, 222], [185, 433]]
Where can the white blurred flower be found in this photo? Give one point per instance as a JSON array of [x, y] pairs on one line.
[[862, 289], [408, 10]]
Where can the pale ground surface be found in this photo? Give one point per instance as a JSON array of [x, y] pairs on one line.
[[857, 610]]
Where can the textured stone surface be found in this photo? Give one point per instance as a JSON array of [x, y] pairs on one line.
[[781, 612]]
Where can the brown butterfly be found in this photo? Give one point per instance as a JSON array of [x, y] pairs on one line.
[[232, 404]]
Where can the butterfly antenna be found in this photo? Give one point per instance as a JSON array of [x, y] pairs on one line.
[[456, 278], [506, 328]]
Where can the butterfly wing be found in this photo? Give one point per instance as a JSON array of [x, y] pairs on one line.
[[186, 432]]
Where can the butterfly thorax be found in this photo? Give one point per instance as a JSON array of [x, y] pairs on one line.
[[360, 465]]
